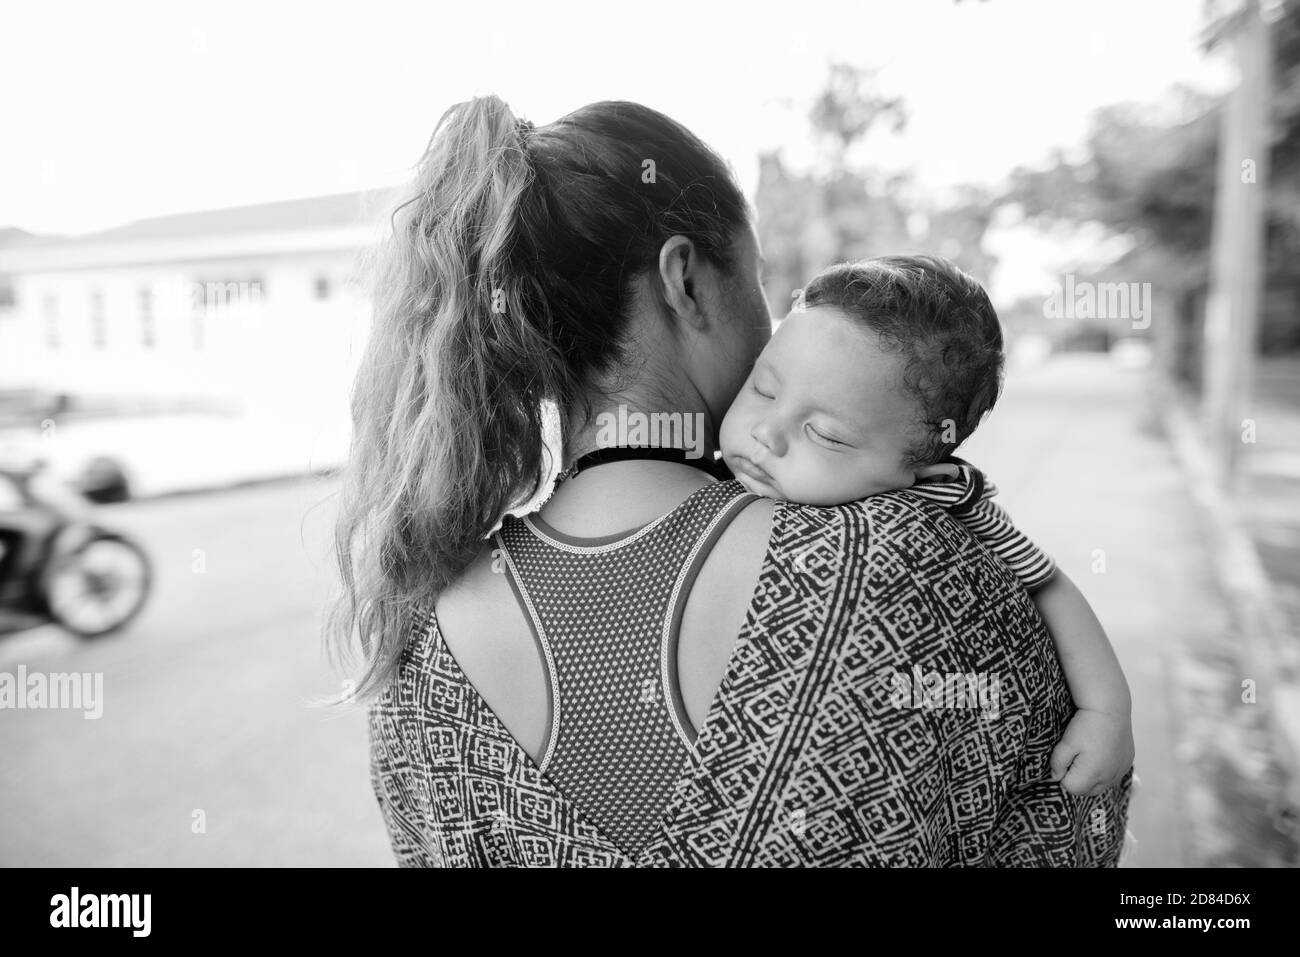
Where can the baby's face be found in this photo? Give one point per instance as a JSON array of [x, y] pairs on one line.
[[823, 418]]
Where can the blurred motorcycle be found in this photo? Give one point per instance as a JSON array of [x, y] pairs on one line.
[[57, 562]]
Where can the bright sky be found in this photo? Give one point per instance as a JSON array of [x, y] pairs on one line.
[[117, 111]]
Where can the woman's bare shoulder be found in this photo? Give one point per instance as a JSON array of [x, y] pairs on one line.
[[751, 527], [479, 599]]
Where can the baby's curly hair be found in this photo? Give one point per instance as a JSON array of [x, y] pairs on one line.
[[941, 320]]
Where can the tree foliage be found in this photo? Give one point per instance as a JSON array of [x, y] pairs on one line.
[[1149, 173], [846, 208]]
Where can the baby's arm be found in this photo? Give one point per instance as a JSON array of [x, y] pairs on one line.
[[1097, 747]]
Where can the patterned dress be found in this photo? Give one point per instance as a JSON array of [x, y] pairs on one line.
[[892, 700]]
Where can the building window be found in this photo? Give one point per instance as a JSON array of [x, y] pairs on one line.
[[214, 296], [50, 310], [148, 333], [322, 287], [98, 332]]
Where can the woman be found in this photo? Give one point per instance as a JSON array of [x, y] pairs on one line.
[[656, 667]]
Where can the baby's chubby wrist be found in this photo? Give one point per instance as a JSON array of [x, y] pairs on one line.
[[1110, 696], [1114, 707]]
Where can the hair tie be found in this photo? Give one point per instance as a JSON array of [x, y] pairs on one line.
[[523, 128]]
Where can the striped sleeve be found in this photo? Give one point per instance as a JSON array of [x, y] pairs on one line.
[[990, 523], [968, 497]]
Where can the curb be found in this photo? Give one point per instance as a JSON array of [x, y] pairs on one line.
[[1265, 646]]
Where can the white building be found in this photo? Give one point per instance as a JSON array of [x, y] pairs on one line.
[[245, 302], [254, 309]]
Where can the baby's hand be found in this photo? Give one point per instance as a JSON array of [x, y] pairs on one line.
[[1094, 753]]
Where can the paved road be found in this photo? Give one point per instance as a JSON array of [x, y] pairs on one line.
[[203, 706], [203, 695]]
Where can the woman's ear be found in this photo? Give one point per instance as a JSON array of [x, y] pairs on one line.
[[680, 267]]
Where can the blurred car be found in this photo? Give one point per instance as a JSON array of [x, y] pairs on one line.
[[1028, 350], [1131, 353], [1084, 336], [117, 451]]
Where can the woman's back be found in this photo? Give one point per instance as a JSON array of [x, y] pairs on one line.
[[805, 754], [488, 631]]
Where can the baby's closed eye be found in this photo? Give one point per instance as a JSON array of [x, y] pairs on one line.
[[823, 437]]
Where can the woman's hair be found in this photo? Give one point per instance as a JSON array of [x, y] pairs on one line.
[[505, 282], [942, 323]]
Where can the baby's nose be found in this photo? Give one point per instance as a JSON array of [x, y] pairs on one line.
[[769, 437]]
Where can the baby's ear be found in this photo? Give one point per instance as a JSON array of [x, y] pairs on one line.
[[939, 470]]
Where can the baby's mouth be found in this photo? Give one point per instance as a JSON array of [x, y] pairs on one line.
[[747, 468]]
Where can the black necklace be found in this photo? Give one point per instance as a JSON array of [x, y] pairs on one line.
[[619, 453]]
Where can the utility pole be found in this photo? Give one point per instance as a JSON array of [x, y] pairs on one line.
[[1238, 244]]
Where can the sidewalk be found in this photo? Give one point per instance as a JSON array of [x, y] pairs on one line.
[[1080, 455], [1247, 737], [1269, 496]]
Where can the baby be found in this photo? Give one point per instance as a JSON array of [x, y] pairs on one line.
[[883, 368]]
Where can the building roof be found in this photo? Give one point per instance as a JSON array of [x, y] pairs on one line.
[[337, 210], [340, 221], [13, 236]]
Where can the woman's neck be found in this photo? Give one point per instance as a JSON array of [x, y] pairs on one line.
[[627, 419], [618, 496]]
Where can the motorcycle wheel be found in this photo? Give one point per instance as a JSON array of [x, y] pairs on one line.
[[100, 586]]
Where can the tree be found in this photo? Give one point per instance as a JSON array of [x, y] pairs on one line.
[[845, 208], [1149, 174]]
